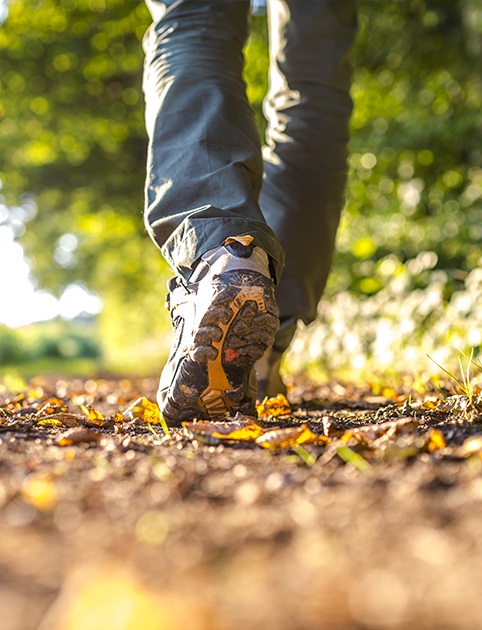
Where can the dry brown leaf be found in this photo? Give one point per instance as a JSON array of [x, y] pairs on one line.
[[78, 436], [392, 428], [24, 411], [67, 419], [359, 436], [274, 407], [471, 446], [53, 405]]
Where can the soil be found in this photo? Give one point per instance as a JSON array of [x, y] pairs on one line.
[[124, 527]]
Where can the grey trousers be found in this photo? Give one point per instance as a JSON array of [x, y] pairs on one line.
[[208, 177]]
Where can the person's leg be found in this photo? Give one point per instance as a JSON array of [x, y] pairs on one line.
[[204, 177], [308, 107], [204, 168]]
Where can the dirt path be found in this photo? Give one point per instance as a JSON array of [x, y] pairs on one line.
[[375, 522]]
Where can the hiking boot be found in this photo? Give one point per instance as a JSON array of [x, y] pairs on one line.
[[268, 375], [225, 318], [267, 368]]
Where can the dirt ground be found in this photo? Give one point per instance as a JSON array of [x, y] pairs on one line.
[[372, 521]]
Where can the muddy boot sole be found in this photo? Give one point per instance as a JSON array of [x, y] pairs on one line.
[[212, 379]]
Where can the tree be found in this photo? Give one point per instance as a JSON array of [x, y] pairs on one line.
[[72, 133]]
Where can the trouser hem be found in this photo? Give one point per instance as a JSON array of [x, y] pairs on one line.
[[189, 242]]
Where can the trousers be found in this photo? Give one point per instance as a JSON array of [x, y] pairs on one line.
[[209, 178]]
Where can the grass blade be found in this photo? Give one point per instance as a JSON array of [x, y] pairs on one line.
[[354, 459], [164, 426], [303, 454], [452, 376]]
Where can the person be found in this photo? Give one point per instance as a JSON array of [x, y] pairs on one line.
[[249, 231]]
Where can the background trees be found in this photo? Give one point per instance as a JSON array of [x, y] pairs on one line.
[[72, 135]]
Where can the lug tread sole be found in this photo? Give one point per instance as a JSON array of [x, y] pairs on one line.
[[212, 380]]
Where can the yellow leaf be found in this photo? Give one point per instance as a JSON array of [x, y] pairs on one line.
[[431, 404], [215, 432], [65, 419], [95, 416], [246, 434], [436, 440], [50, 422], [277, 406], [143, 409], [282, 438], [347, 436]]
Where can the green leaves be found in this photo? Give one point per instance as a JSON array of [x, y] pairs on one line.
[[72, 132], [71, 121]]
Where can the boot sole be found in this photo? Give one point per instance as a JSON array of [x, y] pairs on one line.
[[212, 380]]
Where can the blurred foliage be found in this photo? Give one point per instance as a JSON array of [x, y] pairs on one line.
[[72, 134], [55, 341], [415, 180]]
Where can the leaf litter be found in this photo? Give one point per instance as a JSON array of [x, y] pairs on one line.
[[350, 490], [407, 434]]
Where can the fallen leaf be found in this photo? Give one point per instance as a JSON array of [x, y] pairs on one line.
[[50, 422], [471, 446], [144, 410], [365, 436], [53, 405], [25, 411], [95, 416], [35, 394], [392, 429], [274, 407], [245, 434], [436, 440], [282, 438], [78, 436], [216, 432], [67, 419], [431, 404]]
